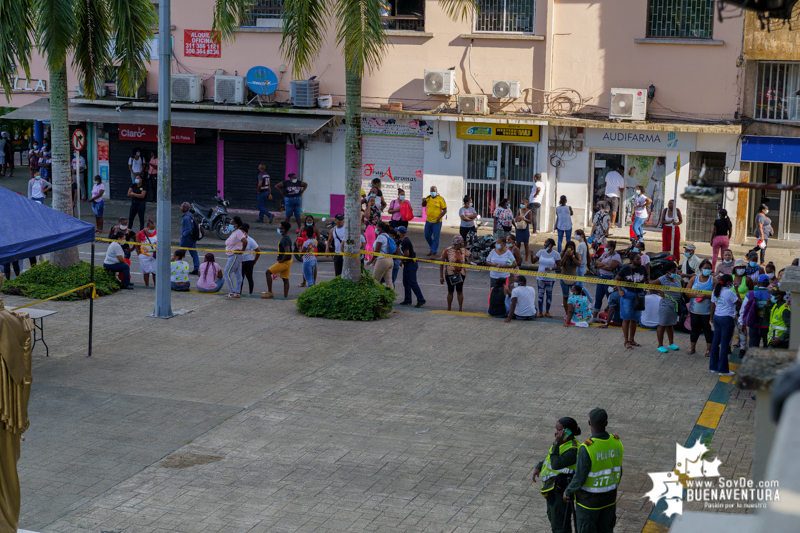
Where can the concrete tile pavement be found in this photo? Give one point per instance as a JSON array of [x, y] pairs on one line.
[[423, 422]]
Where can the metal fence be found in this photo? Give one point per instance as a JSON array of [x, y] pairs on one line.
[[680, 18], [506, 16], [777, 85], [264, 10]]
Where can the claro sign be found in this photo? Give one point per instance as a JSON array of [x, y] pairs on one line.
[[147, 133]]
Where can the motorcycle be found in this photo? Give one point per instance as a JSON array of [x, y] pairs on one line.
[[479, 246], [213, 218]]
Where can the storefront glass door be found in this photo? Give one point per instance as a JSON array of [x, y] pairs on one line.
[[518, 169], [791, 205], [646, 170], [482, 177]]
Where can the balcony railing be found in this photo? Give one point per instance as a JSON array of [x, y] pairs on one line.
[[405, 22]]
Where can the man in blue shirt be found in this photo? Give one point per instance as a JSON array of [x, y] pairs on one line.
[[187, 227]]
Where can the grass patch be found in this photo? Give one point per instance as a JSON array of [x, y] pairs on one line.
[[44, 280], [340, 299]]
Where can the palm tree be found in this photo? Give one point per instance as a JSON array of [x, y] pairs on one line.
[[362, 35], [97, 34]]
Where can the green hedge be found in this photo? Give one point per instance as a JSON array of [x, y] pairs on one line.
[[46, 279], [344, 300]]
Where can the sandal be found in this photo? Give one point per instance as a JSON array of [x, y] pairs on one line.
[[634, 343], [231, 296], [628, 345], [708, 353], [690, 351]]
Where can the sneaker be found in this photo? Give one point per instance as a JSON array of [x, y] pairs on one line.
[[673, 347], [420, 304], [405, 303], [194, 272], [267, 295], [128, 287], [727, 373]]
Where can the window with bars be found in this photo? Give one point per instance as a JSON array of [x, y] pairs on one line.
[[777, 95], [686, 19], [264, 14], [505, 16]]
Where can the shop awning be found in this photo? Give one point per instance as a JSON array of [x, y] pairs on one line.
[[260, 122], [771, 149]]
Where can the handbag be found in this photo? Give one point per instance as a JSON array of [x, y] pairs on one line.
[[406, 212], [455, 279], [638, 301]]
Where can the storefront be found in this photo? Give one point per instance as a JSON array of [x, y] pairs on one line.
[[774, 160], [500, 161]]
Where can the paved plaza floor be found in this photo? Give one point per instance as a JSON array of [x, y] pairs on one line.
[[245, 416]]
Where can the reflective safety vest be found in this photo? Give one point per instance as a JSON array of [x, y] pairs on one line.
[[600, 488], [777, 326], [548, 474]]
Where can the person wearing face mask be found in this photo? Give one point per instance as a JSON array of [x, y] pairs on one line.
[[136, 164], [640, 211], [236, 242], [137, 193], [384, 235], [467, 214], [147, 252], [334, 244], [754, 319], [179, 272], [127, 235], [690, 262], [188, 235], [578, 313], [33, 158], [436, 209], [78, 164], [454, 276], [743, 283], [115, 261], [753, 269], [37, 188], [503, 219], [151, 171], [556, 472], [46, 162], [522, 305], [535, 202], [500, 258], [726, 302], [700, 307], [720, 235], [523, 232], [380, 201], [98, 203], [370, 217], [249, 258], [635, 272], [302, 238], [606, 269], [549, 260], [769, 271], [668, 309], [394, 210], [264, 192], [283, 264], [780, 319], [763, 231], [726, 265], [410, 267], [671, 219], [292, 190], [563, 220]]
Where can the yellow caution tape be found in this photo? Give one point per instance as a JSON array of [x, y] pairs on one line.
[[551, 277], [92, 285]]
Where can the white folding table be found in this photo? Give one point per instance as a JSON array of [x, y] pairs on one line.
[[40, 315]]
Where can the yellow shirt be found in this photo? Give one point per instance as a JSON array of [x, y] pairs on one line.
[[435, 207]]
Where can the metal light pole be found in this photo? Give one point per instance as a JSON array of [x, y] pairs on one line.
[[163, 307]]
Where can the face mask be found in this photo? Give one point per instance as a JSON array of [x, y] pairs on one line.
[[35, 146], [123, 228], [522, 206], [38, 178], [706, 271], [433, 194], [770, 275], [635, 250], [773, 299], [687, 254], [516, 284], [767, 211], [753, 264], [498, 246], [377, 231], [279, 231], [138, 154], [372, 196], [295, 181], [727, 261], [549, 247], [673, 276], [138, 181], [309, 224], [401, 197], [470, 204], [740, 271]]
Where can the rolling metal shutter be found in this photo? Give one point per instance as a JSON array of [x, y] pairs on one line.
[[194, 169], [398, 156], [241, 161]]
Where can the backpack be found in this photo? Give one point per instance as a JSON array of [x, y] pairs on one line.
[[392, 247], [406, 212], [197, 228], [750, 317]]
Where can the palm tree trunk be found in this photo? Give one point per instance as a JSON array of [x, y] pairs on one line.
[[352, 180], [59, 138]]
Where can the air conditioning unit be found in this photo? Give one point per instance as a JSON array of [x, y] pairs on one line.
[[229, 89], [472, 104], [304, 93], [440, 82], [140, 94], [186, 88], [102, 91], [506, 89], [628, 104]]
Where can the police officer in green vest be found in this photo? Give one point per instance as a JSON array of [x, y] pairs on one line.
[[780, 316], [597, 475], [556, 471]]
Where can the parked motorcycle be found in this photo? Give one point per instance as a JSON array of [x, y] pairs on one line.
[[479, 246], [213, 218]]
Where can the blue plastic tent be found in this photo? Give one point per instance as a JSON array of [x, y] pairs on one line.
[[28, 228]]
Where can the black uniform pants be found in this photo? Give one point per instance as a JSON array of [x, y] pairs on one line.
[[558, 513], [596, 521]]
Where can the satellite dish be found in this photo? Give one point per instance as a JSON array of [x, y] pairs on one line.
[[262, 81]]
